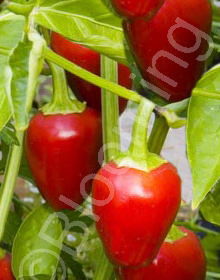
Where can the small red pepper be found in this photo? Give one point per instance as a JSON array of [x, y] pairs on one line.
[[170, 49], [61, 150], [135, 222], [183, 260], [89, 60], [136, 198], [62, 146]]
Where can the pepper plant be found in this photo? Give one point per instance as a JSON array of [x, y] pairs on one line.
[[120, 222]]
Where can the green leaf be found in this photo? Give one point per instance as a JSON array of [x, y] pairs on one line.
[[11, 30], [174, 234], [8, 135], [21, 7], [109, 5], [19, 63], [5, 110], [36, 277], [210, 82], [211, 245], [37, 245], [210, 207], [24, 171], [76, 267], [26, 63], [11, 228], [88, 22], [203, 134], [216, 10]]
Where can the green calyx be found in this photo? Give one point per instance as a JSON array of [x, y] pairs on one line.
[[174, 234], [70, 107], [127, 159], [138, 156], [62, 102]]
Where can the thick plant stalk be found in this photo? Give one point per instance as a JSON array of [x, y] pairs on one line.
[[111, 141], [139, 133], [110, 111], [138, 155], [92, 78], [158, 135], [105, 269], [161, 128], [10, 176]]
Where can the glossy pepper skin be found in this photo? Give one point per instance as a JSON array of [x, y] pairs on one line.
[[89, 60], [137, 9], [167, 55], [183, 259], [5, 268], [136, 220], [61, 150]]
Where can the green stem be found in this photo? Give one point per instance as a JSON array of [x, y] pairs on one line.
[[138, 155], [158, 135], [110, 110], [178, 107], [216, 11], [61, 102], [59, 85], [196, 227], [92, 78], [161, 128], [46, 34], [113, 87], [8, 184], [105, 269], [111, 138], [213, 274], [205, 230], [139, 135]]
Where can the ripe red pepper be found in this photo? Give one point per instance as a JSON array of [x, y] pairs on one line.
[[183, 259], [168, 48], [5, 268], [135, 222], [137, 9], [89, 60], [136, 198], [61, 151]]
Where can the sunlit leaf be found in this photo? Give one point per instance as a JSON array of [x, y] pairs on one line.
[[88, 22]]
